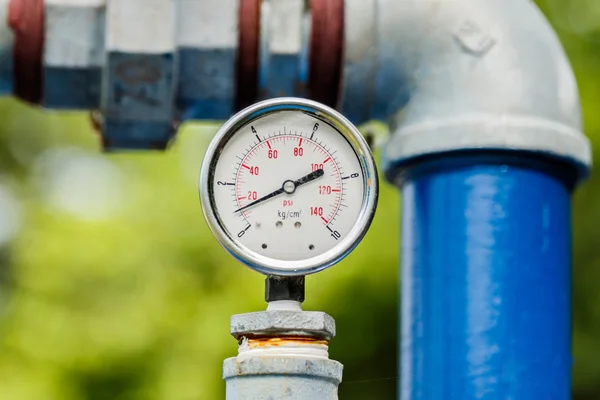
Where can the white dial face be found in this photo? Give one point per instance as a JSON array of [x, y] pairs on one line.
[[288, 186]]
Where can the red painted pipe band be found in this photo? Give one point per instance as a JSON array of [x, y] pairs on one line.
[[326, 51], [247, 54], [26, 18]]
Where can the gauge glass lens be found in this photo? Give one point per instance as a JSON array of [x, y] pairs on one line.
[[288, 186]]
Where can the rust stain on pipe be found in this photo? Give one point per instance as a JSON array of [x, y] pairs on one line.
[[26, 19], [284, 341]]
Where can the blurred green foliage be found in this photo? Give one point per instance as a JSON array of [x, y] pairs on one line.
[[112, 287]]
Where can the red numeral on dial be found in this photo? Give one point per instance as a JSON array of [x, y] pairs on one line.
[[252, 195], [324, 189], [318, 211], [298, 151], [273, 154]]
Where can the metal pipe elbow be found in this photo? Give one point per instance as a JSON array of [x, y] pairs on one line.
[[454, 75]]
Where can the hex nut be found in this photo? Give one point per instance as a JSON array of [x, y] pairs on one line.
[[315, 324]]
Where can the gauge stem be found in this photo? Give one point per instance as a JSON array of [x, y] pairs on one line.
[[280, 288]]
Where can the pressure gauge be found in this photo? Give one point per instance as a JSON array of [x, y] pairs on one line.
[[288, 186]]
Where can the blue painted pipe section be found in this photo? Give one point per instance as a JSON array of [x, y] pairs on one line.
[[280, 76], [72, 88], [486, 281], [6, 71], [356, 99], [206, 83]]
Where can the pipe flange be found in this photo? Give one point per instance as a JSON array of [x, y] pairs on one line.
[[534, 135], [314, 324]]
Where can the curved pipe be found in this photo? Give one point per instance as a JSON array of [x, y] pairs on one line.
[[461, 74]]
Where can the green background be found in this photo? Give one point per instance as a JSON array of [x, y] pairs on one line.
[[112, 287]]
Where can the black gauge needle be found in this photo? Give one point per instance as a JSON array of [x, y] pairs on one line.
[[288, 187], [305, 179]]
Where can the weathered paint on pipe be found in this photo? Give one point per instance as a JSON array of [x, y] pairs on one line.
[[283, 44], [140, 76], [73, 53], [486, 273], [207, 33]]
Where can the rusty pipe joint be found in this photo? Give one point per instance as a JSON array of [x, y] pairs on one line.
[[282, 354]]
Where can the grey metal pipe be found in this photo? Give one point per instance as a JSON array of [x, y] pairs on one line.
[[283, 354]]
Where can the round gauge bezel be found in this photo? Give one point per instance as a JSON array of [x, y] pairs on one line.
[[259, 262]]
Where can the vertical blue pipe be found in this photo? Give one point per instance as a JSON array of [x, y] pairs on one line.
[[486, 280]]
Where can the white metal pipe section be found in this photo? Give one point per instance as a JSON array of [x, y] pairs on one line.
[[73, 53]]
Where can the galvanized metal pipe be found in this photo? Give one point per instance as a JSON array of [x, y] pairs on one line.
[[283, 354], [72, 73]]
